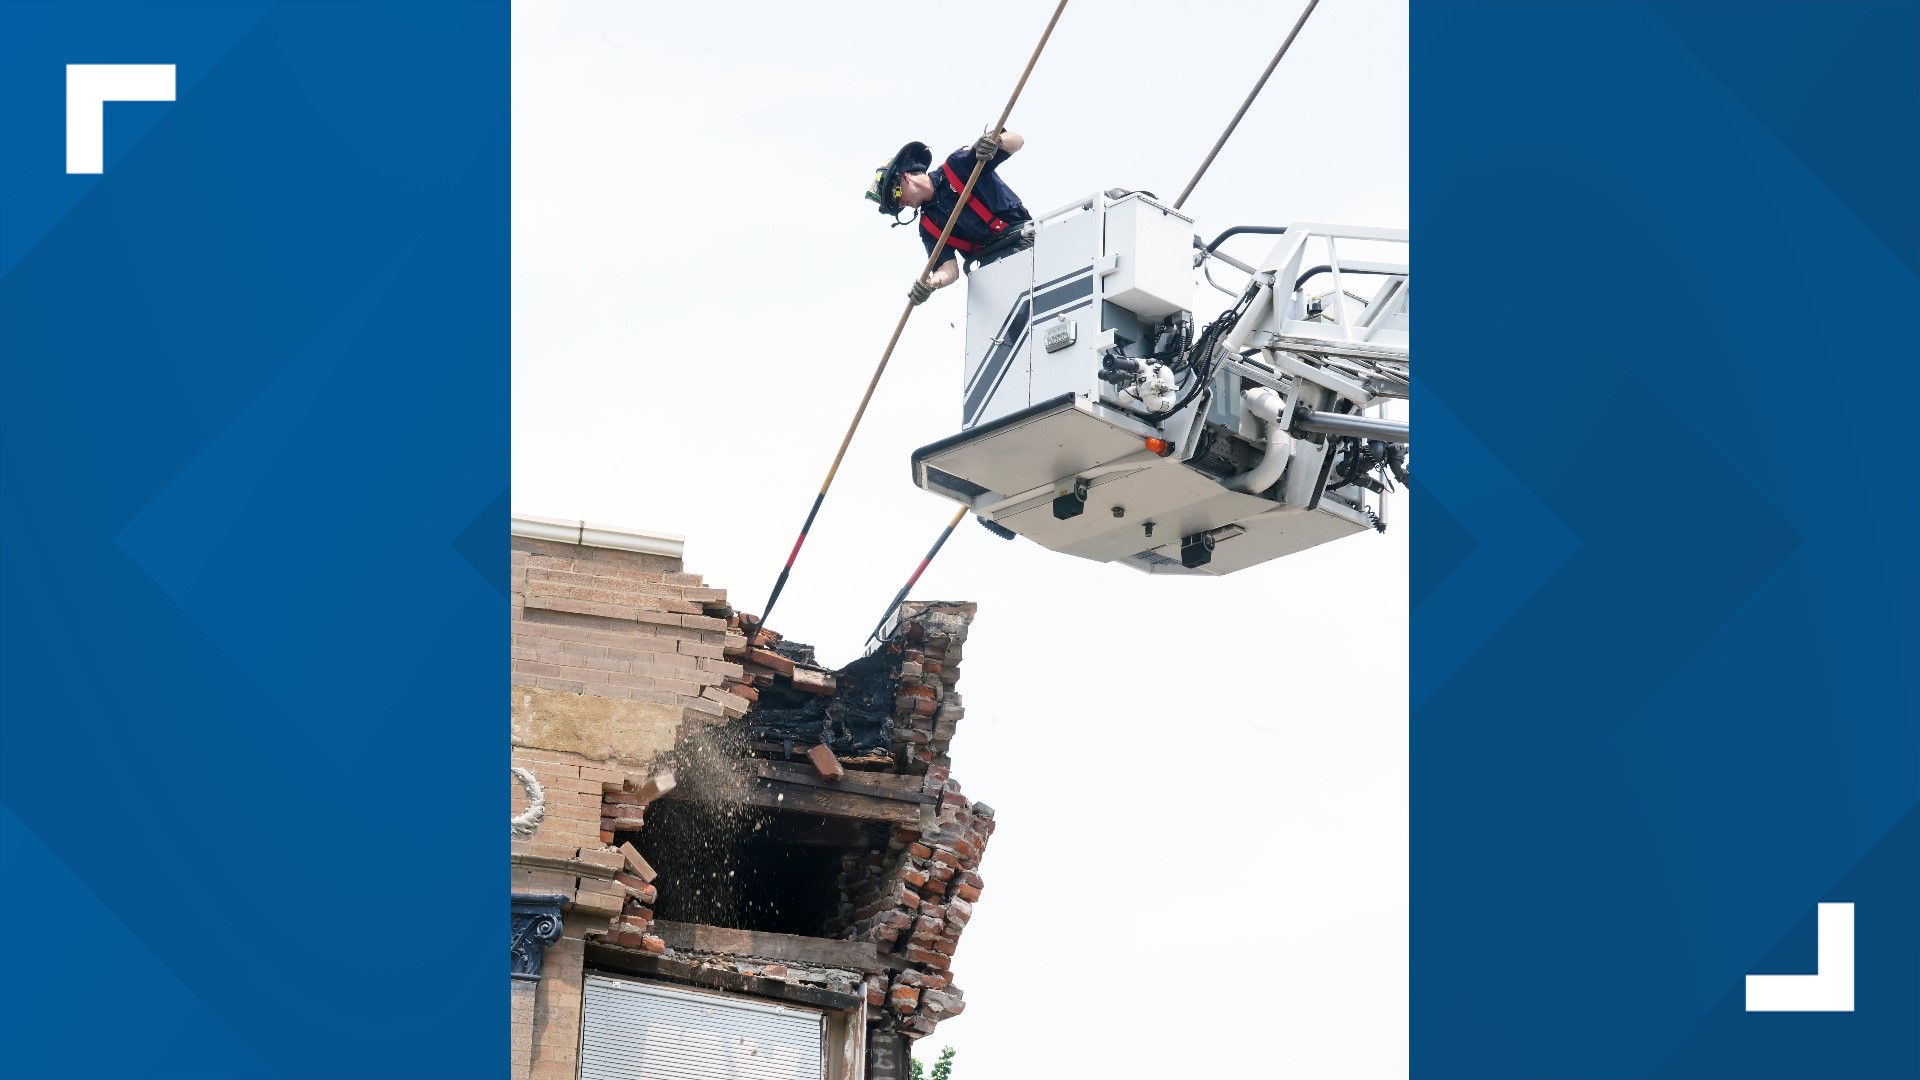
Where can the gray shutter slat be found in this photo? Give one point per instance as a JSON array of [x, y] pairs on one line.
[[643, 1031]]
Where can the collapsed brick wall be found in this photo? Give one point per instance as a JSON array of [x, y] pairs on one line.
[[904, 691], [593, 624], [920, 897], [928, 710], [912, 899], [914, 902], [623, 809]]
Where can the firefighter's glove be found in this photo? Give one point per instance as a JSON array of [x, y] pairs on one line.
[[987, 146], [920, 291]]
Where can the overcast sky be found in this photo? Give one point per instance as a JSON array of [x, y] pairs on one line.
[[1201, 866]]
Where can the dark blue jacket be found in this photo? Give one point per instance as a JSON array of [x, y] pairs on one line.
[[992, 191]]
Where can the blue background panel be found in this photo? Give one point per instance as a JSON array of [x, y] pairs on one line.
[[253, 430], [1666, 601]]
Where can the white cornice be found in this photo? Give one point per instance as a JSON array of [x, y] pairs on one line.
[[588, 534]]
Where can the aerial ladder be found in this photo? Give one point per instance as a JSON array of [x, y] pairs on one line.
[[1101, 419], [1105, 417]]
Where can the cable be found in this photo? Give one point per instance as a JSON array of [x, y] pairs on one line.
[[1237, 230], [1202, 352], [953, 219], [1312, 272], [1235, 122]]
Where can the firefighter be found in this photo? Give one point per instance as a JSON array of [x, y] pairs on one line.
[[906, 182]]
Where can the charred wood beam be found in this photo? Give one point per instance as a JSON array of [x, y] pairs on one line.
[[634, 962], [800, 798], [879, 785], [766, 746], [822, 952]]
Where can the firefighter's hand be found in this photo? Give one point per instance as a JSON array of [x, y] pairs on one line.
[[987, 146], [920, 291]]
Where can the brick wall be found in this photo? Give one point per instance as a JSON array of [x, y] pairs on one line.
[[520, 1029], [618, 624], [613, 652], [556, 1014]]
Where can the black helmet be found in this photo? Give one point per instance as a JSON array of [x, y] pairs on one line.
[[885, 189]]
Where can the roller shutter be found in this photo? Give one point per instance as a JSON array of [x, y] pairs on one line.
[[645, 1031]]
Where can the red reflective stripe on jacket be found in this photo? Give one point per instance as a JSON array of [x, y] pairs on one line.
[[954, 242], [979, 208]]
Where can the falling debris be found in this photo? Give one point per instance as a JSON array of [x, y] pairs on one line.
[[825, 763]]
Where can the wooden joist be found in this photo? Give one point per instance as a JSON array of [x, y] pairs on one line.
[[793, 948], [879, 785], [799, 798], [635, 962]]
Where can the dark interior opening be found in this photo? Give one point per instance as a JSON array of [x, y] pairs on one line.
[[747, 868]]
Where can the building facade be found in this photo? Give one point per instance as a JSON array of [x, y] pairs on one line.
[[726, 859]]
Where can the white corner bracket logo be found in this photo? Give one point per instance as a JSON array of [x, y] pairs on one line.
[[89, 88], [1829, 988]]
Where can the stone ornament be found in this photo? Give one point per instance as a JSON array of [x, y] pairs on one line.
[[528, 820], [535, 925]]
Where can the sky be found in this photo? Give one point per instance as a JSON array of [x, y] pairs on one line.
[[1201, 784]]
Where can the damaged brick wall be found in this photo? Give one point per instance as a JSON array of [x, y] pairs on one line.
[[619, 624], [613, 654], [622, 663], [927, 709], [894, 707], [623, 810], [916, 900], [913, 899]]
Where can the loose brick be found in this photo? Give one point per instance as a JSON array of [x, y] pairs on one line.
[[657, 785], [814, 681], [637, 889], [825, 763], [607, 860], [598, 903], [772, 661], [732, 703], [636, 865]]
